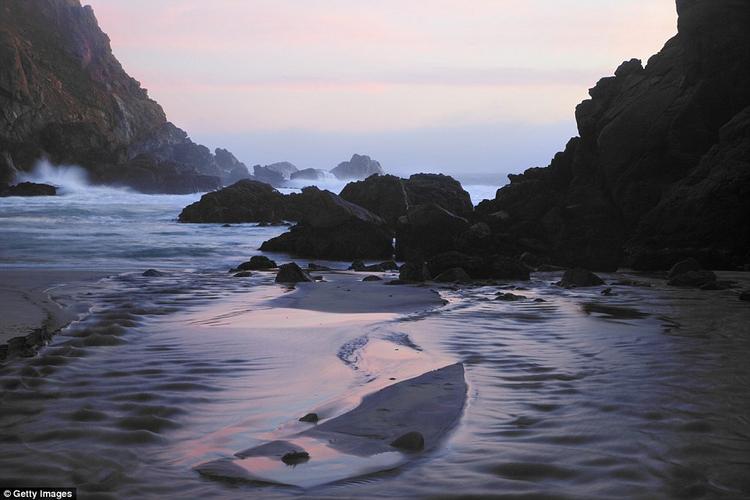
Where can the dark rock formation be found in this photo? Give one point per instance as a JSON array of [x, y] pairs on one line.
[[232, 170], [453, 275], [292, 273], [359, 167], [427, 230], [284, 168], [269, 176], [390, 197], [372, 277], [64, 96], [384, 195], [310, 418], [413, 272], [661, 168], [331, 227], [441, 189], [28, 189], [295, 457], [577, 278], [257, 263], [244, 201], [308, 174], [153, 273], [411, 441], [509, 297]]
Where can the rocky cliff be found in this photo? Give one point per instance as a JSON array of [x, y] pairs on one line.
[[64, 96], [661, 169]]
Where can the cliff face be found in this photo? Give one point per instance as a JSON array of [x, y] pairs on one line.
[[661, 168], [64, 96]]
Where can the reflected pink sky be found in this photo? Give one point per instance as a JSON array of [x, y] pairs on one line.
[[353, 68]]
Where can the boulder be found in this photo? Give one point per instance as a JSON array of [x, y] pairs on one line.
[[372, 277], [427, 230], [684, 266], [698, 279], [284, 168], [413, 272], [332, 228], [440, 189], [292, 273], [269, 176], [309, 174], [475, 267], [579, 278], [295, 457], [153, 273], [256, 263], [359, 167], [453, 275], [509, 297], [232, 170], [243, 201], [411, 441], [384, 195], [28, 189], [310, 418]]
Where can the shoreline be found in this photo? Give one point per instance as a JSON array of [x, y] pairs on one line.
[[32, 315]]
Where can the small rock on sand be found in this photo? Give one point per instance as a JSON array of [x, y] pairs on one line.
[[372, 277], [292, 273], [257, 262], [295, 457], [310, 417], [411, 441], [576, 278]]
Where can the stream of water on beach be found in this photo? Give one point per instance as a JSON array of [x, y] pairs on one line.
[[642, 394]]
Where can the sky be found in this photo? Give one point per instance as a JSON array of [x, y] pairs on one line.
[[473, 88]]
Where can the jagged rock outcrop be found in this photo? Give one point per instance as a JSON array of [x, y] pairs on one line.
[[28, 189], [359, 167], [308, 174], [427, 230], [390, 197], [265, 174], [232, 169], [65, 97], [660, 170], [331, 227], [284, 168], [244, 201]]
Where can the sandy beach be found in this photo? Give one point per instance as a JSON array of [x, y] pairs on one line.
[[29, 309]]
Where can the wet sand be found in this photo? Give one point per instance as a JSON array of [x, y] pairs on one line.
[[28, 307]]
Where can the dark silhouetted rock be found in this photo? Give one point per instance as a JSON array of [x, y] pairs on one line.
[[29, 189], [312, 266], [360, 266], [453, 275], [509, 297], [66, 98], [256, 263], [697, 279], [310, 417], [475, 267], [243, 274], [332, 228], [265, 174], [661, 169], [579, 278], [232, 170], [427, 230], [414, 272], [244, 201], [284, 168], [153, 273], [684, 266], [295, 457], [441, 189], [384, 195], [359, 167], [372, 277], [507, 268], [411, 441], [292, 273], [309, 174]]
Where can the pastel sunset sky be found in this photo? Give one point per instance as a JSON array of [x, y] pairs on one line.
[[464, 87]]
